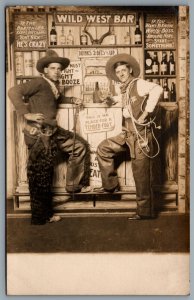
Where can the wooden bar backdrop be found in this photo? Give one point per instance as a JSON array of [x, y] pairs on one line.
[[169, 169]]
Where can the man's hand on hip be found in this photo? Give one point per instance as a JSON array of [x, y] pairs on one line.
[[39, 118]]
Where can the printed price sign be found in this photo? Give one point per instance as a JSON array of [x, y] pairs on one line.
[[30, 31], [97, 52], [97, 122]]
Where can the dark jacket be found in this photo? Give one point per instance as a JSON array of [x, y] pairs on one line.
[[35, 96]]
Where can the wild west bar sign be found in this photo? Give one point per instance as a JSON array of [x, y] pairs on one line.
[[61, 18]]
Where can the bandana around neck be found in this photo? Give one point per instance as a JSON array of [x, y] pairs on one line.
[[53, 86], [124, 85]]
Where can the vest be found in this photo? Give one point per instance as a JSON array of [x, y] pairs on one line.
[[137, 104]]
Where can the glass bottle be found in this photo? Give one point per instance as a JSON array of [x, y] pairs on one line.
[[137, 34], [62, 38], [164, 64], [148, 63], [53, 35], [166, 90], [70, 38], [96, 98], [173, 92], [155, 64], [127, 38], [171, 64], [83, 39]]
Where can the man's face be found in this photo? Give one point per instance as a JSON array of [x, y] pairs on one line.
[[53, 71], [123, 73]]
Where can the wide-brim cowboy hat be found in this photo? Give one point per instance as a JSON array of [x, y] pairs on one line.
[[51, 57], [122, 57]]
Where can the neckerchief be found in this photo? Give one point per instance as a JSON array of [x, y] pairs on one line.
[[54, 87], [124, 86]]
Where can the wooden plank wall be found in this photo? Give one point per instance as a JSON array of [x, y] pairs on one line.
[[183, 151]]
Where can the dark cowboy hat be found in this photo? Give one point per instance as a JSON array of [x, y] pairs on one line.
[[123, 57], [51, 57]]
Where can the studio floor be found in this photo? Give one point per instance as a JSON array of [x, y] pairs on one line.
[[168, 232]]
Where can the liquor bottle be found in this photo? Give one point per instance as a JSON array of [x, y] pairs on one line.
[[155, 64], [62, 38], [148, 63], [70, 38], [171, 64], [96, 98], [173, 92], [83, 39], [127, 38], [166, 90], [137, 34], [164, 64], [112, 37], [53, 35]]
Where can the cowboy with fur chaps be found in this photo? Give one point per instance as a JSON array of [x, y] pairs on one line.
[[36, 100]]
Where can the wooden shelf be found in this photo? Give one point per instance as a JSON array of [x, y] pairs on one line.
[[77, 46], [95, 75], [169, 105], [159, 49], [160, 76], [97, 46]]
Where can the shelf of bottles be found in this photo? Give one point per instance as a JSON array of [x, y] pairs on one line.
[[160, 67], [131, 36]]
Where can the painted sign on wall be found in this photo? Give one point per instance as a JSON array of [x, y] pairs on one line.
[[160, 31], [30, 31]]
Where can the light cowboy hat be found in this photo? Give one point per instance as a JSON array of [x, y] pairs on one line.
[[123, 57], [51, 57]]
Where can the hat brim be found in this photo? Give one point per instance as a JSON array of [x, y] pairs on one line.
[[45, 61], [123, 57]]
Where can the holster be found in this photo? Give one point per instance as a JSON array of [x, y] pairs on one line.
[[130, 139], [43, 132]]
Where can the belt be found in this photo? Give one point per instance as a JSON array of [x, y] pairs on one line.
[[38, 130]]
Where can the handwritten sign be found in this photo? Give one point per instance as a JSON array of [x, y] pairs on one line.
[[72, 75], [30, 31], [129, 19], [97, 122], [97, 52], [160, 31]]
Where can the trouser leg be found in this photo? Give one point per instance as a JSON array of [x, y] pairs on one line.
[[75, 165], [106, 152], [141, 173]]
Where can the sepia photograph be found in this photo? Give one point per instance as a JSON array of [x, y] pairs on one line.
[[97, 148]]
